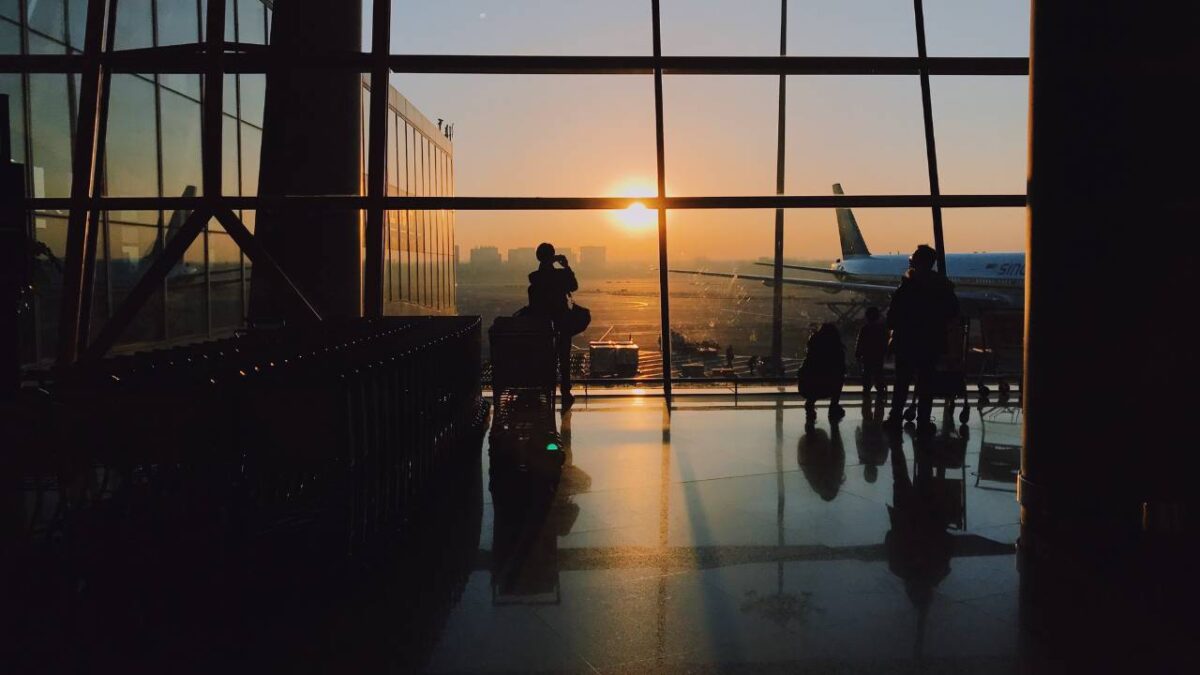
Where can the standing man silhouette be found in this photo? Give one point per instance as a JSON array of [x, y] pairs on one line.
[[917, 318], [549, 287]]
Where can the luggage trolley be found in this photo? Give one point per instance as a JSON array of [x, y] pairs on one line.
[[524, 379], [949, 381]]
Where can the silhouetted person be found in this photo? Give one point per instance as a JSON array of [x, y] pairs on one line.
[[822, 459], [871, 349], [823, 372], [752, 364], [549, 287], [729, 356], [917, 318]]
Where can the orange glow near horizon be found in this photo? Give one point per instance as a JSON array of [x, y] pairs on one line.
[[635, 218]]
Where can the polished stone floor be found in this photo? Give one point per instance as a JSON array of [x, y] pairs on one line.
[[727, 536]]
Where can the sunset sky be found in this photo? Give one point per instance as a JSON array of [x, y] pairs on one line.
[[541, 135]]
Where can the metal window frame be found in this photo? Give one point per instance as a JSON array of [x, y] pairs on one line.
[[215, 57]]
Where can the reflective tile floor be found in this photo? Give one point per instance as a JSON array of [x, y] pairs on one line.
[[730, 537]]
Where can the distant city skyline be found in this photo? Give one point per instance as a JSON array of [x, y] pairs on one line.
[[551, 135]]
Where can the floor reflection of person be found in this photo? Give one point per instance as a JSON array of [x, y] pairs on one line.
[[549, 288], [872, 440], [822, 459], [918, 546], [917, 317]]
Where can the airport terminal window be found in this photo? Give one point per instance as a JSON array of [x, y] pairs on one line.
[[178, 22], [834, 121], [10, 38], [180, 144], [132, 170]]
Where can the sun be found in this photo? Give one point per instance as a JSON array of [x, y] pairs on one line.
[[636, 218]]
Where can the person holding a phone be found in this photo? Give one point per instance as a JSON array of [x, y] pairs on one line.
[[549, 290]]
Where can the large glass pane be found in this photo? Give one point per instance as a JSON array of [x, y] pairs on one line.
[[230, 183], [866, 133], [10, 38], [11, 9], [50, 130], [42, 45], [518, 27], [982, 126], [187, 294], [251, 22], [131, 145], [618, 282], [131, 251], [573, 135], [251, 151], [180, 145], [134, 28], [850, 28], [225, 269], [977, 28], [706, 155], [48, 17], [77, 22], [178, 22], [253, 88]]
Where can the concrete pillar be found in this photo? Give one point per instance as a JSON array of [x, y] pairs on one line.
[[1110, 353], [311, 146]]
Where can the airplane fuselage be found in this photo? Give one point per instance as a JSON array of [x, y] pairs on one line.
[[997, 277]]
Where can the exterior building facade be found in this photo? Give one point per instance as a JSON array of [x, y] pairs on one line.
[[153, 148]]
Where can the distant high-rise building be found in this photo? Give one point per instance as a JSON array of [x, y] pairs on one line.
[[522, 258], [593, 257], [485, 256]]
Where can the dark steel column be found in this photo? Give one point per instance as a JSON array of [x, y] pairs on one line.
[[664, 291], [311, 146], [381, 24], [1111, 363], [83, 172], [935, 190], [777, 291]]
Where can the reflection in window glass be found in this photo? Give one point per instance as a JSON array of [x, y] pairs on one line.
[[178, 22], [133, 26], [47, 280], [180, 145], [229, 99], [132, 167], [41, 45], [131, 250], [50, 131], [253, 88], [251, 151], [251, 24], [10, 9], [229, 156], [77, 22], [225, 271], [47, 17], [10, 38], [187, 294]]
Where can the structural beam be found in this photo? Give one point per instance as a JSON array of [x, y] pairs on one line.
[[664, 291], [939, 241], [85, 159], [780, 156], [381, 24], [551, 203], [260, 61]]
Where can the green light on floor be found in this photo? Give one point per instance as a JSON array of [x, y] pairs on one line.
[[552, 446]]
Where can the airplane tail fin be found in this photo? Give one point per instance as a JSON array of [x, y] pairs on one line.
[[853, 243]]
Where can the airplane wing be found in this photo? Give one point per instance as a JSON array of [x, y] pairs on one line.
[[802, 268], [794, 281]]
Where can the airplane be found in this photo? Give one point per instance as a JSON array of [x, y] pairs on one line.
[[982, 281]]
